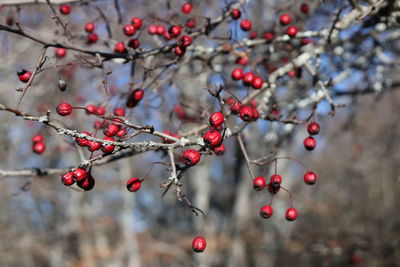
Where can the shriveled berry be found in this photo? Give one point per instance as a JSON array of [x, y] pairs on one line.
[[259, 183], [291, 214], [310, 178], [313, 128], [310, 143], [266, 211], [67, 179], [199, 244], [191, 157], [64, 109]]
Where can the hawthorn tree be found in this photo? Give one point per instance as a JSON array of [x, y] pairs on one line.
[[216, 106]]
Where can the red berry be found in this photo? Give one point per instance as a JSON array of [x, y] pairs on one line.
[[285, 19], [38, 138], [191, 23], [134, 43], [137, 22], [89, 27], [87, 184], [61, 52], [119, 48], [291, 214], [179, 51], [266, 211], [119, 112], [219, 150], [24, 75], [292, 31], [313, 128], [175, 31], [234, 105], [165, 140], [246, 113], [133, 184], [242, 61], [237, 74], [9, 21], [100, 111], [269, 36], [93, 146], [92, 38], [152, 29], [256, 114], [187, 8], [310, 143], [253, 103], [248, 78], [65, 9], [129, 30], [90, 109], [64, 109], [82, 142], [272, 189], [191, 157], [212, 138], [217, 119], [235, 13], [257, 82], [304, 8], [79, 175], [135, 98], [199, 244], [111, 130], [38, 147], [121, 132], [276, 180], [253, 35], [185, 41], [245, 25], [67, 179], [310, 178], [108, 148], [259, 183], [160, 30]]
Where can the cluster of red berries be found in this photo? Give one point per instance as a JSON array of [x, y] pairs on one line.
[[92, 36], [310, 142], [286, 19], [248, 78], [81, 177], [247, 113], [38, 145]]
